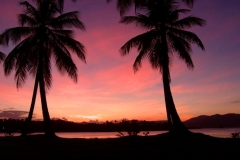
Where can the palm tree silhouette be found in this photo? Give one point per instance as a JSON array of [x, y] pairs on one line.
[[60, 4], [44, 35], [124, 5], [164, 36]]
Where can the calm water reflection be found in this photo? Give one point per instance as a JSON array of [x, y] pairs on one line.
[[216, 132]]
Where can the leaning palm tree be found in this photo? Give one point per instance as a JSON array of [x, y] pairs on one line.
[[165, 34], [125, 5], [43, 34]]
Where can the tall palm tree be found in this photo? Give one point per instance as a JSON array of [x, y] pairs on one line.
[[124, 5], [60, 5], [165, 34], [43, 34]]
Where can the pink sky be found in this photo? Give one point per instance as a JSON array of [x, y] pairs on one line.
[[107, 87]]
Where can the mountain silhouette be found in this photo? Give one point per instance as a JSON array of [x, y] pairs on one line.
[[229, 120]]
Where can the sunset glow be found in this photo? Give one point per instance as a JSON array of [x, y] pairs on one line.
[[108, 88]]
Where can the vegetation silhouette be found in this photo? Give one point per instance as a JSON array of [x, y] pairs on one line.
[[123, 6], [45, 35], [235, 134], [128, 126], [133, 128], [164, 35]]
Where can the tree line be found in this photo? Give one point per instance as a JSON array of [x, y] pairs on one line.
[[16, 125]]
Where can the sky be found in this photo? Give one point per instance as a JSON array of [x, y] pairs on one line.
[[108, 88]]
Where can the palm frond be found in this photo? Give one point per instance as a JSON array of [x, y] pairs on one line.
[[61, 4], [174, 16], [74, 46], [188, 22], [2, 56], [187, 36], [15, 34], [138, 61], [24, 19], [140, 20], [182, 48], [30, 10], [22, 67], [20, 77], [123, 5], [24, 64], [64, 63], [189, 2], [68, 33], [157, 57], [68, 20], [63, 58], [18, 54], [137, 42]]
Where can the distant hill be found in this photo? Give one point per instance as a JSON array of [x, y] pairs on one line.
[[214, 121]]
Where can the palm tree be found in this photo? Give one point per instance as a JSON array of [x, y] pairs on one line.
[[124, 5], [165, 34], [60, 4], [42, 34]]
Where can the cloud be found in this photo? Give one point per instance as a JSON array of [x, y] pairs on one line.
[[54, 118], [13, 114], [87, 116], [235, 102]]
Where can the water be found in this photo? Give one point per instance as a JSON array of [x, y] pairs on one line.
[[215, 132]]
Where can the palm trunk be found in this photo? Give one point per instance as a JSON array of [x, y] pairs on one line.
[[30, 114], [46, 117], [168, 116], [174, 121], [176, 124]]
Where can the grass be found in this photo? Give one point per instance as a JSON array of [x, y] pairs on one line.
[[164, 146]]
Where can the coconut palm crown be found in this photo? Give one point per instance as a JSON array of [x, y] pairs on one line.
[[43, 34], [125, 5], [164, 36]]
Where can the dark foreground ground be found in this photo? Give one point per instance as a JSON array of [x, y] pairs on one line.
[[164, 146]]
